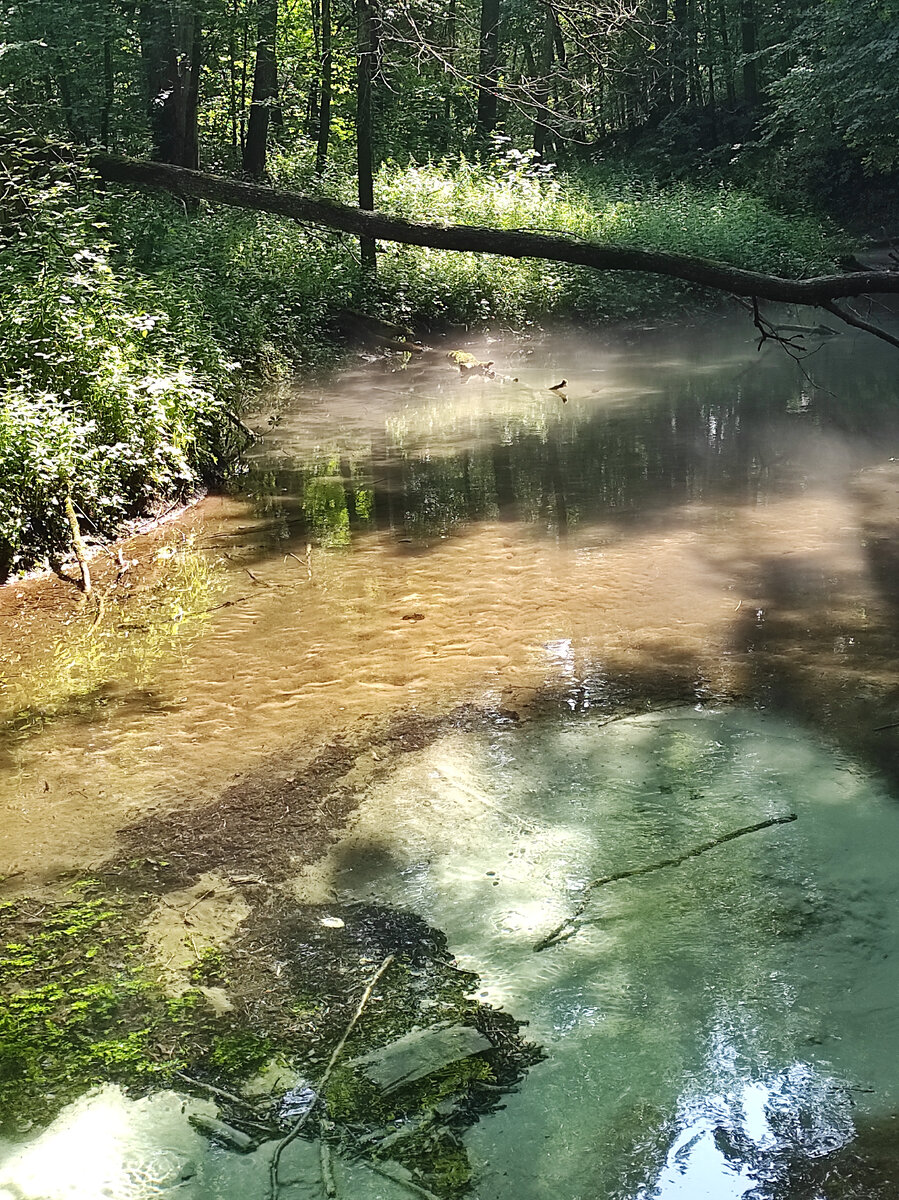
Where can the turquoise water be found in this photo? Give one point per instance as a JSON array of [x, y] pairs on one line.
[[694, 520], [708, 1025]]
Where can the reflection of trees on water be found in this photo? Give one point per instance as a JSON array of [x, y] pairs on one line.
[[720, 440]]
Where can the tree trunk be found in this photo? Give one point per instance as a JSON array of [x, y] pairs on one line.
[[364, 139], [750, 45], [232, 80], [108, 91], [511, 243], [488, 68], [68, 105], [265, 88], [710, 60], [727, 64], [541, 118], [678, 57], [659, 70], [171, 59], [450, 55], [696, 96], [324, 108]]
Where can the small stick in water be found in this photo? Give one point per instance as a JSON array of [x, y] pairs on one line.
[[338, 1049], [568, 927], [78, 543]]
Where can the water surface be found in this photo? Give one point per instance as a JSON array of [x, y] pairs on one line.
[[689, 521]]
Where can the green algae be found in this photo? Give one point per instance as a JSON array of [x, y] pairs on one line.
[[81, 1006]]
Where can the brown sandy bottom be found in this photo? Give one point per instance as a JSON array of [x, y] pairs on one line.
[[204, 670]]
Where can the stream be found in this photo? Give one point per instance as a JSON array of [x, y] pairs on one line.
[[464, 646]]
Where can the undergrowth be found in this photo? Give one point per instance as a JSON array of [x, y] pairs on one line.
[[130, 327]]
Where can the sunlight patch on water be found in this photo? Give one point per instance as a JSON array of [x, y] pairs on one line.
[[705, 1022], [106, 1146]]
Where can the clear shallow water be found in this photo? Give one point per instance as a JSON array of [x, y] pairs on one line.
[[696, 517], [697, 520], [740, 1006]]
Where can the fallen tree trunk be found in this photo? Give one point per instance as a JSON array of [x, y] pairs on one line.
[[510, 243]]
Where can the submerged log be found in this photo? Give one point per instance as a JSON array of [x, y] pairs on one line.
[[419, 1054]]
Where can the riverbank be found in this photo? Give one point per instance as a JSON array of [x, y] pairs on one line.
[[131, 330]]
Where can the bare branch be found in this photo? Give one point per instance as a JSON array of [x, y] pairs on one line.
[[853, 319]]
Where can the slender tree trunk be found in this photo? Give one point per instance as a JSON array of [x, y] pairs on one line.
[[364, 132], [190, 112], [324, 108], [541, 118], [488, 68], [678, 57], [710, 60], [108, 90], [244, 55], [67, 103], [660, 77], [265, 88], [750, 44], [450, 54], [696, 96], [232, 80], [727, 67]]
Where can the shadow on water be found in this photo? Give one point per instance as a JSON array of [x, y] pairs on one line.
[[695, 522], [687, 440]]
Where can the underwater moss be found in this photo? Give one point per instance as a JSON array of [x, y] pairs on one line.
[[80, 1006]]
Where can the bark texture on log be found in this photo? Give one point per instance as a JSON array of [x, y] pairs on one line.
[[509, 243]]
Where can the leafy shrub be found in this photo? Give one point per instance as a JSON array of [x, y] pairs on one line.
[[103, 394]]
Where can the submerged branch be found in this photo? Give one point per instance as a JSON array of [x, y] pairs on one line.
[[338, 1050], [510, 243], [568, 927]]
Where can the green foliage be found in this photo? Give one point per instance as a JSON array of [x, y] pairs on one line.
[[514, 193], [107, 390], [209, 969], [843, 86]]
